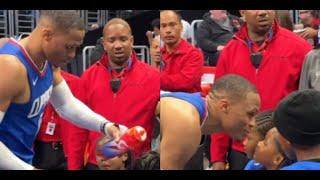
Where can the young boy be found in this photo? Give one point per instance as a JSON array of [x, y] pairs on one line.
[[273, 153], [264, 123], [120, 162]]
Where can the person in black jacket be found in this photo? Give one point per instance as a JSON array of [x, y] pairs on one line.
[[215, 32]]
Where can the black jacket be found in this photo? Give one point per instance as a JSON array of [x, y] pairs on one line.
[[210, 35]]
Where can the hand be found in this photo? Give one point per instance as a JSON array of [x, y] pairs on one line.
[[94, 26], [219, 48], [115, 131], [218, 166], [149, 34], [308, 33]]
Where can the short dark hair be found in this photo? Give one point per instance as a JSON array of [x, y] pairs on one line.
[[177, 13], [155, 23], [63, 19], [117, 21], [234, 86], [128, 164], [264, 122], [148, 161]]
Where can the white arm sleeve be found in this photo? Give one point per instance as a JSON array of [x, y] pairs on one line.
[[73, 110], [1, 116], [8, 161]]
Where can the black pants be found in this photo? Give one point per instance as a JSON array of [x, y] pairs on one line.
[[49, 155], [237, 160], [196, 161]]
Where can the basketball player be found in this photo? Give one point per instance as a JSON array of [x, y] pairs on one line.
[[29, 78], [230, 107]]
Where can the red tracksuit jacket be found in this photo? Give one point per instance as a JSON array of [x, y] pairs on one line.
[[277, 76], [61, 132], [133, 104], [182, 68]]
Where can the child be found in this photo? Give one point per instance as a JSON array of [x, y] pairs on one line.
[[120, 162], [264, 123], [274, 153]]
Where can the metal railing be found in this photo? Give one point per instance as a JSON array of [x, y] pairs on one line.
[[194, 26], [4, 30], [144, 53], [86, 52], [24, 21]]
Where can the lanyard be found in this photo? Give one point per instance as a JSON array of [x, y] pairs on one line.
[[250, 43], [122, 72]]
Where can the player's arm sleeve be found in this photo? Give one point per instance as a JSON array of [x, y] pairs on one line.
[[8, 161], [73, 110]]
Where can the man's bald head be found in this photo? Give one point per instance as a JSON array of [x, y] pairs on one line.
[[115, 21]]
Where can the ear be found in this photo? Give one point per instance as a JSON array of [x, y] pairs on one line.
[[243, 16], [104, 44], [124, 157], [224, 105], [132, 40], [242, 12], [47, 33], [278, 160]]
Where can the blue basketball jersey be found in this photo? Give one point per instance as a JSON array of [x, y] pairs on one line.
[[303, 165], [193, 98], [21, 122]]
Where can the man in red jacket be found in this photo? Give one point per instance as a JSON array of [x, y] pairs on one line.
[[118, 86], [182, 61], [271, 58], [51, 146]]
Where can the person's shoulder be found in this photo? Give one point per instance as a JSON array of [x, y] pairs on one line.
[[290, 37], [146, 68], [313, 55], [13, 72], [294, 166], [93, 70], [233, 44], [12, 64], [69, 77], [191, 49]]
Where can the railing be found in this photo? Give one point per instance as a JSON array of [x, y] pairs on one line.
[[194, 26], [4, 30], [24, 21]]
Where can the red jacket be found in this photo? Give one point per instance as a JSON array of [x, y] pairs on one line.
[[182, 68], [133, 104], [277, 76], [61, 132]]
